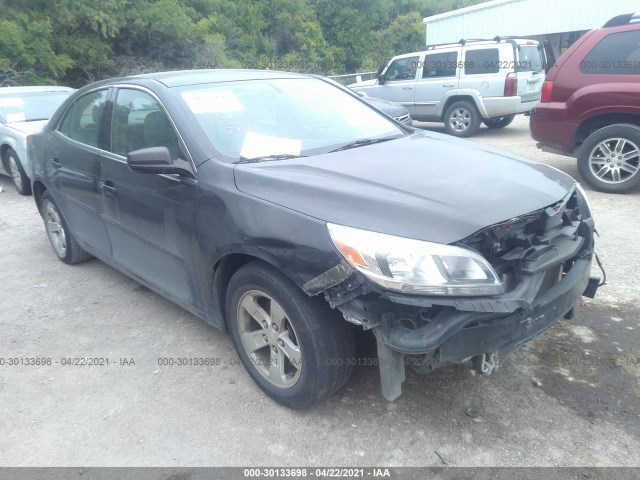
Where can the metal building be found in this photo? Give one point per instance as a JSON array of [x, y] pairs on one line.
[[559, 22]]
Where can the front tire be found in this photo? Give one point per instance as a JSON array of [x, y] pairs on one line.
[[462, 119], [609, 159], [499, 122], [18, 175], [293, 346], [62, 239]]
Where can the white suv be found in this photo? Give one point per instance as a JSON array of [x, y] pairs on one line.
[[465, 83]]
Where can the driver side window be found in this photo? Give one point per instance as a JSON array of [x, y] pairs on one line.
[[139, 122], [402, 69]]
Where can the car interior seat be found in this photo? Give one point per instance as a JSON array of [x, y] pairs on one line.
[[158, 132]]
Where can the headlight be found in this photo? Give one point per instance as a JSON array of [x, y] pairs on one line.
[[415, 266]]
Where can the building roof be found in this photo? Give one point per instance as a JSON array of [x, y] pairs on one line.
[[522, 18]]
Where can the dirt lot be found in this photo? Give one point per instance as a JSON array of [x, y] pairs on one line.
[[570, 398]]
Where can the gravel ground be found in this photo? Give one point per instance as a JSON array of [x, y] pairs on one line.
[[569, 398]]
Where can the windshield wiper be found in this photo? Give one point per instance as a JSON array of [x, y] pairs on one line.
[[267, 158], [362, 143]]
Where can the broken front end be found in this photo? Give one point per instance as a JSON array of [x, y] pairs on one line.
[[430, 304]]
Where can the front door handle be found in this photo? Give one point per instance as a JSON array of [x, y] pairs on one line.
[[407, 88], [108, 188], [55, 163], [448, 84]]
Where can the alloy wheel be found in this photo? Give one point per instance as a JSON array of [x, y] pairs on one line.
[[460, 119], [269, 339], [55, 230], [615, 160], [14, 170]]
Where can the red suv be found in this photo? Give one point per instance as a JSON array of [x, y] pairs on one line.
[[590, 106]]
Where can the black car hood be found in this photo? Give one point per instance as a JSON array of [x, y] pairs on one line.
[[426, 186]]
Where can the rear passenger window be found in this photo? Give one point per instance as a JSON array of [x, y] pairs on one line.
[[486, 60], [617, 54], [440, 65], [83, 120], [139, 122]]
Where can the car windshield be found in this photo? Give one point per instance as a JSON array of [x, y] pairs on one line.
[[276, 119], [28, 107]]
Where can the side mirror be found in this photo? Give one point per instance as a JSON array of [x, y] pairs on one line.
[[157, 160], [381, 79], [361, 94]]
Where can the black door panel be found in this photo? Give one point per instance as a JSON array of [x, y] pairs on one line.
[[148, 220], [74, 162], [148, 217]]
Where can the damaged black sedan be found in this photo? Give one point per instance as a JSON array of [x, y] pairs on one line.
[[283, 209]]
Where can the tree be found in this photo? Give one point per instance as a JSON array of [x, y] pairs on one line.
[[77, 41]]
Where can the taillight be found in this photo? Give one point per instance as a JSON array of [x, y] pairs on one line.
[[510, 85], [545, 93]]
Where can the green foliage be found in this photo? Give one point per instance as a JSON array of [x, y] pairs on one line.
[[77, 41], [26, 50]]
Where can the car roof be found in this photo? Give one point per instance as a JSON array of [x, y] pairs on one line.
[[181, 78], [33, 89], [462, 43]]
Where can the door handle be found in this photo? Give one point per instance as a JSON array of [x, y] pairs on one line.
[[108, 188], [448, 84], [55, 163], [407, 88]]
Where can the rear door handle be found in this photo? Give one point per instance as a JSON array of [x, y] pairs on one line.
[[55, 163], [448, 84], [108, 188], [407, 88]]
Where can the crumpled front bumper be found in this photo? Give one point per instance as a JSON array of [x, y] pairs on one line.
[[454, 335], [544, 259], [451, 329]]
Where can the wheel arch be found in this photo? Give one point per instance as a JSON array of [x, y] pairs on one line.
[[4, 148], [468, 97], [225, 267], [595, 123], [38, 191]]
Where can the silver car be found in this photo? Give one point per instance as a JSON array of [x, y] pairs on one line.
[[23, 111], [464, 84]]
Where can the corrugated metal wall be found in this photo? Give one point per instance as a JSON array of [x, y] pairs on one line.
[[524, 18]]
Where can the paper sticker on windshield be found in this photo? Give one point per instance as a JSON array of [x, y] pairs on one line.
[[212, 102], [11, 102], [257, 145], [15, 117]]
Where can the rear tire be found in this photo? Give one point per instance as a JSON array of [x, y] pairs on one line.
[[19, 177], [462, 119], [295, 347], [609, 159], [499, 122], [62, 239]]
